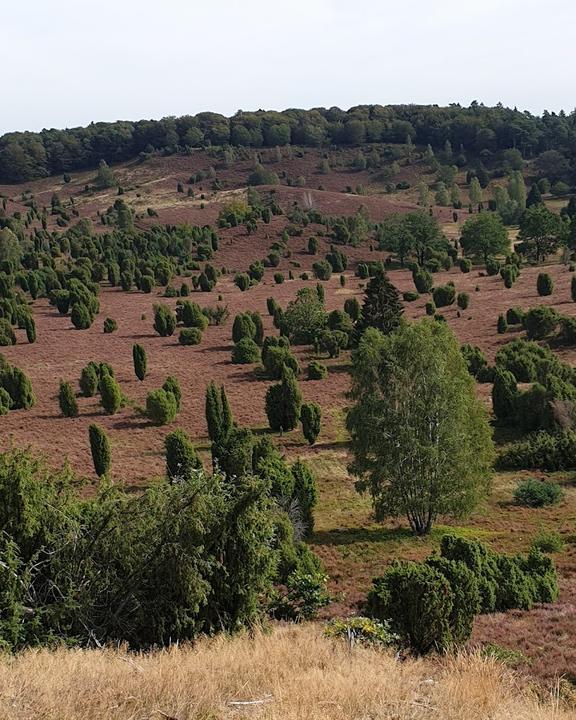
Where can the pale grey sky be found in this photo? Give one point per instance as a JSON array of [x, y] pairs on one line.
[[69, 62]]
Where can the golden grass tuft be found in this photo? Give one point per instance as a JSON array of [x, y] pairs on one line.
[[297, 673]]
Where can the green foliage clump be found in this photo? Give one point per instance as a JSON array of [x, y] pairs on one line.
[[504, 394], [463, 300], [276, 358], [164, 320], [110, 325], [191, 315], [444, 295], [243, 327], [179, 559], [245, 352], [418, 601], [181, 457], [322, 270], [172, 386], [465, 265], [110, 393], [475, 359], [81, 316], [283, 403], [7, 334], [190, 336], [89, 379], [139, 361], [541, 451], [423, 280], [311, 418], [17, 386], [317, 370], [67, 400], [540, 322], [548, 542], [161, 407], [502, 324], [537, 493], [218, 413], [100, 449], [544, 284], [515, 316]]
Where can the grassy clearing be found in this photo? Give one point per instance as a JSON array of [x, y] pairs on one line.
[[291, 673]]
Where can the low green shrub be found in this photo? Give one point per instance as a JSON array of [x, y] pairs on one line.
[[190, 336], [536, 493]]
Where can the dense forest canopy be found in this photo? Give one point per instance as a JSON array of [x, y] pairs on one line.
[[476, 130]]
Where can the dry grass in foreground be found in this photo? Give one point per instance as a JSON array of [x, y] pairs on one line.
[[294, 671]]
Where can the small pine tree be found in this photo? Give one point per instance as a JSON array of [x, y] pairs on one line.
[[89, 380], [283, 403], [67, 400], [164, 320], [30, 327], [382, 308], [140, 361], [502, 324], [110, 394], [181, 456], [213, 410], [310, 417], [100, 448]]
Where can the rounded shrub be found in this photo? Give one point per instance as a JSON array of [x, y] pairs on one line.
[[67, 400], [418, 601], [430, 308], [423, 280], [540, 321], [352, 308], [544, 284], [278, 278], [514, 316], [110, 325], [492, 267], [7, 334], [245, 352], [501, 325], [465, 265], [89, 380], [317, 371], [463, 300], [161, 407], [444, 295], [147, 283], [171, 385], [190, 336], [410, 296], [242, 281], [243, 327], [110, 394], [81, 316], [181, 456], [536, 493], [164, 320]]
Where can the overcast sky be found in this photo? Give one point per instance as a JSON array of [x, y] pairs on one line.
[[68, 62]]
